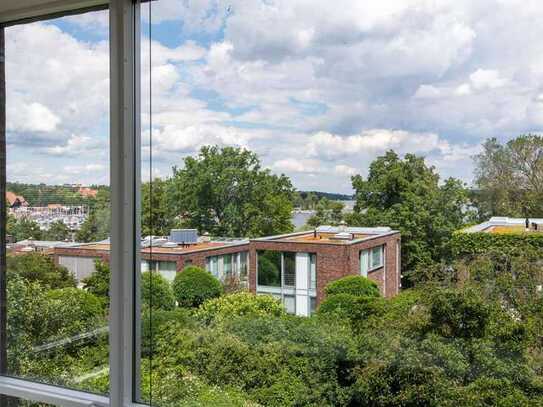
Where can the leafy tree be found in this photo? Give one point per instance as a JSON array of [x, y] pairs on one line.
[[225, 191], [157, 215], [353, 285], [156, 291], [37, 267], [327, 213], [405, 194], [24, 228], [509, 177], [96, 227], [57, 231], [240, 304], [195, 285], [98, 282]]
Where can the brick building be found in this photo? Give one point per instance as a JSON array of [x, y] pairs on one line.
[[295, 267]]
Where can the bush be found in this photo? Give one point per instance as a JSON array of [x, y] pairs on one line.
[[156, 291], [37, 267], [241, 304], [350, 307], [194, 286], [354, 285]]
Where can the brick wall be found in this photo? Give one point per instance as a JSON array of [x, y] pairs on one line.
[[337, 260]]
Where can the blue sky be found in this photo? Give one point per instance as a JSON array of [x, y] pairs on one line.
[[318, 89]]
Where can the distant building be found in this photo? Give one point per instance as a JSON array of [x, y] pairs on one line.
[[87, 192], [294, 267], [504, 225], [15, 201]]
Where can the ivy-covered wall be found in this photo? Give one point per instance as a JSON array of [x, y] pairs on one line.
[[478, 243]]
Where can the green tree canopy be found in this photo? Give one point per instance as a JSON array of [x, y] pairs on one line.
[[98, 282], [226, 192], [37, 267], [405, 194], [156, 291], [57, 231], [509, 177], [157, 213]]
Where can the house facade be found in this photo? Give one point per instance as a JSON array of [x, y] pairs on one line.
[[294, 268]]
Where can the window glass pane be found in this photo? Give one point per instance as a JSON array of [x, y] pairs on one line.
[[313, 271], [376, 257], [290, 303], [58, 197], [289, 268], [269, 268]]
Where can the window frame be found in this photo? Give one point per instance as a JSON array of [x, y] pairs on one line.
[[125, 134]]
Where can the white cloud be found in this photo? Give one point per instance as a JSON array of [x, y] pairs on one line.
[[293, 165], [31, 116], [342, 169], [487, 79]]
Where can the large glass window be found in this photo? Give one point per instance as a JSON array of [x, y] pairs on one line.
[[58, 196], [269, 268]]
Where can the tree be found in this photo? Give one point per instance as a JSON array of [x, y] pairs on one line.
[[57, 231], [156, 291], [36, 267], [225, 191], [327, 213], [98, 282], [157, 215], [405, 194], [195, 285], [25, 228], [509, 177], [96, 227]]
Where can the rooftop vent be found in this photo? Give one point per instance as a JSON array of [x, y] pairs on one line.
[[184, 236]]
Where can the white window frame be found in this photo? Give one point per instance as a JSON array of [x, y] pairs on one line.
[[125, 179], [369, 256]]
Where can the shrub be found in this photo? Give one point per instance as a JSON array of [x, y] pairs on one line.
[[156, 291], [241, 304], [194, 286], [354, 285], [351, 307]]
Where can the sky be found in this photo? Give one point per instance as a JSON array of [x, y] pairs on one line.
[[318, 89]]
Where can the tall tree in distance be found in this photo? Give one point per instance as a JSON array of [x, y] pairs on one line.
[[157, 214], [226, 192], [406, 195], [509, 177]]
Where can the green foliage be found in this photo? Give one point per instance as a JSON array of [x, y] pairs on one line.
[[406, 194], [240, 304], [463, 244], [353, 285], [37, 267], [97, 226], [57, 231], [156, 291], [155, 321], [459, 314], [350, 307], [226, 192], [98, 282], [509, 177], [269, 268], [157, 213], [327, 213], [23, 228], [195, 285]]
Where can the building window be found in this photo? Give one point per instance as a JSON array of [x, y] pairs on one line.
[[227, 265], [371, 259], [269, 268], [289, 268], [289, 302], [313, 271]]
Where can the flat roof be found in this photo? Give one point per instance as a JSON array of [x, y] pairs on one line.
[[180, 249], [505, 225], [331, 235]]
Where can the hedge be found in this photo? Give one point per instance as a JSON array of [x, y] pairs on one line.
[[463, 244]]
